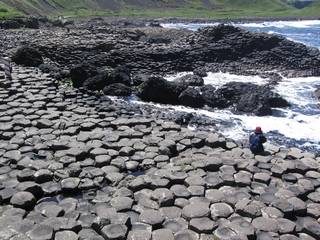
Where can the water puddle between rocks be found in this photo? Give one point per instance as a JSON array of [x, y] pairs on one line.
[[137, 173], [57, 199]]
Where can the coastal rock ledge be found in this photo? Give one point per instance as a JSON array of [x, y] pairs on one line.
[[132, 59], [81, 166]]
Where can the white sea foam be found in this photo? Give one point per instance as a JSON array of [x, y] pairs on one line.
[[292, 123], [274, 24], [218, 79], [283, 24], [299, 91], [190, 26], [299, 122], [296, 126], [293, 30], [172, 77]]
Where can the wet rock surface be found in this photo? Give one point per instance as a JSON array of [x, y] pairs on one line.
[[75, 164], [122, 61]]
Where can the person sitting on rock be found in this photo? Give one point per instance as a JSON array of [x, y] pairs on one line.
[[256, 141]]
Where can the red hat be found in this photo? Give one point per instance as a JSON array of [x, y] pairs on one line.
[[258, 130]]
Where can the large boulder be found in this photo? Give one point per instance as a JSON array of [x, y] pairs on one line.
[[80, 73], [191, 80], [87, 76], [139, 79], [208, 95], [276, 101], [244, 97], [191, 97], [120, 75], [27, 56], [157, 89], [117, 89], [96, 83], [250, 103]]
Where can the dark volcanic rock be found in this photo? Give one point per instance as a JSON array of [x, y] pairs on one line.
[[191, 97], [32, 23], [23, 200], [117, 89], [27, 56], [120, 75], [97, 82], [75, 165], [157, 89], [245, 97], [78, 75], [214, 48], [250, 103], [90, 78]]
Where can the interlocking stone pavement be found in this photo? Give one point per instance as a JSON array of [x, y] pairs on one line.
[[77, 165]]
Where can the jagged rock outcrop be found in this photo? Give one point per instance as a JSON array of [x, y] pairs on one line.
[[221, 47]]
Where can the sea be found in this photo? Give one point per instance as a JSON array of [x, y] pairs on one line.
[[296, 126]]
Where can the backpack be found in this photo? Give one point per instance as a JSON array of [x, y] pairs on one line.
[[254, 143]]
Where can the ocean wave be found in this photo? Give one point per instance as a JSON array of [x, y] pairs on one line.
[[299, 123], [283, 24], [217, 79], [267, 24]]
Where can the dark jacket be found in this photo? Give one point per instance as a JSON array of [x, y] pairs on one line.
[[256, 143]]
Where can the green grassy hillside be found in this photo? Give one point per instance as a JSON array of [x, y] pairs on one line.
[[159, 8], [6, 11]]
